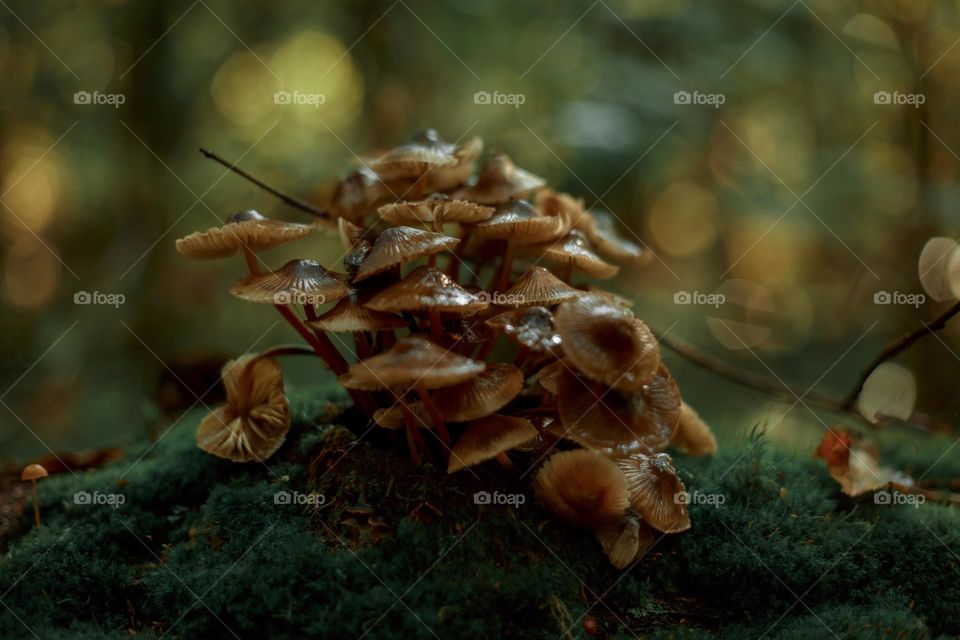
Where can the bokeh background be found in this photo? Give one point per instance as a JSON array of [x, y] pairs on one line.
[[798, 198]]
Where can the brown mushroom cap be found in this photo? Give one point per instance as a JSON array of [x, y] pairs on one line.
[[499, 181], [33, 472], [606, 238], [398, 245], [350, 234], [519, 222], [361, 191], [487, 393], [412, 362], [625, 541], [583, 488], [487, 437], [435, 211], [606, 342], [393, 417], [552, 203], [656, 492], [574, 249], [693, 436], [245, 229], [447, 177], [532, 327], [615, 422], [348, 317], [297, 282], [537, 286], [427, 288], [549, 376], [256, 417]]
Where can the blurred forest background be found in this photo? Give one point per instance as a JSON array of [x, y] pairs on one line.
[[798, 198]]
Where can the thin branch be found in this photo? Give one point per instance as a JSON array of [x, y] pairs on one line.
[[293, 201], [896, 347]]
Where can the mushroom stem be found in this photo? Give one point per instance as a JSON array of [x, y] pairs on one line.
[[486, 346], [435, 329], [505, 461], [504, 282], [364, 350], [435, 416], [36, 504], [565, 272], [432, 260], [415, 441], [251, 259]]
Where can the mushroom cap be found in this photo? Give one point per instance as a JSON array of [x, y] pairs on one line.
[[256, 417], [427, 288], [392, 417], [549, 376], [583, 488], [606, 342], [435, 211], [245, 229], [487, 437], [553, 203], [297, 282], [361, 190], [449, 177], [426, 154], [518, 221], [33, 471], [693, 436], [538, 286], [350, 234], [500, 180], [625, 541], [347, 317], [574, 248], [411, 362], [606, 238], [656, 491], [617, 423], [398, 245], [487, 393], [532, 327]]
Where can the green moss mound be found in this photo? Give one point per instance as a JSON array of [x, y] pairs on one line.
[[205, 548]]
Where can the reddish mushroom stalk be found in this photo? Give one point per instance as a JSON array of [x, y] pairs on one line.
[[435, 415]]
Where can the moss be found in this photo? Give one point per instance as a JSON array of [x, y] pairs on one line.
[[201, 546]]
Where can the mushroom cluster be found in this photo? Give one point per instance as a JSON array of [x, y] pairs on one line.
[[456, 322]]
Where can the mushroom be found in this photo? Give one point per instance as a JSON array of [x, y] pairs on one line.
[[297, 282], [489, 392], [254, 422], [435, 211], [499, 181], [413, 363], [606, 342], [395, 417], [625, 541], [693, 436], [516, 222], [537, 286], [549, 376], [247, 231], [348, 317], [584, 488], [428, 157], [614, 422], [574, 251], [490, 437], [361, 190], [656, 491], [427, 289], [398, 245], [531, 327], [605, 237], [32, 472]]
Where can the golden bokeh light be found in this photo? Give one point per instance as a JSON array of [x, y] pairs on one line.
[[243, 89], [31, 273], [683, 219]]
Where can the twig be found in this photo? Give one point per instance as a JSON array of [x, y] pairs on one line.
[[293, 201], [780, 390], [896, 347]]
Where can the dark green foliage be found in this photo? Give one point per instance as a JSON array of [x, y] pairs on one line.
[[201, 547]]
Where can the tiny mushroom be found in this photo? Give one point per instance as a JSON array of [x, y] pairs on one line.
[[537, 286], [246, 231], [32, 472], [584, 488], [297, 282], [500, 180], [693, 436], [489, 392], [349, 317], [625, 541], [656, 491], [254, 422], [573, 251], [435, 211], [490, 437], [398, 245]]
